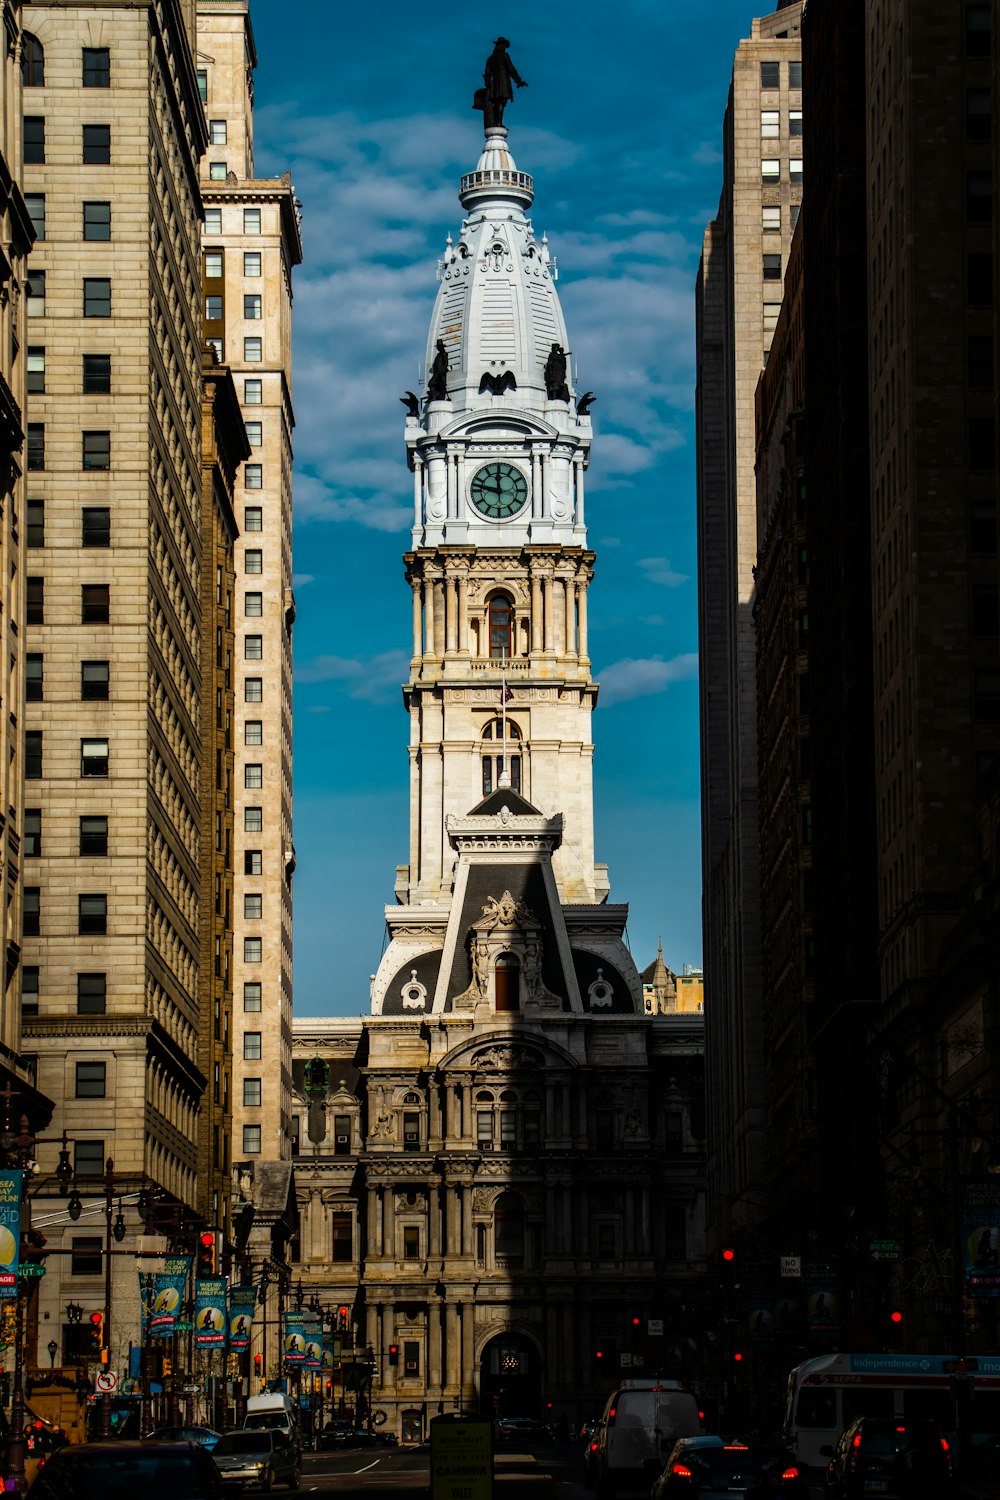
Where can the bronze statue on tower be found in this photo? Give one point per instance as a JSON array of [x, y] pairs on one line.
[[498, 75]]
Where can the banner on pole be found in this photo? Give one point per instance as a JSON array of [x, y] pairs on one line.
[[242, 1305], [312, 1358], [295, 1338], [10, 1230], [168, 1294], [210, 1313], [981, 1235]]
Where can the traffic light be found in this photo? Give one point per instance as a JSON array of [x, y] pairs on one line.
[[97, 1335], [258, 1364], [168, 1364], [729, 1256], [394, 1354], [343, 1319], [206, 1253], [636, 1322], [33, 1250]]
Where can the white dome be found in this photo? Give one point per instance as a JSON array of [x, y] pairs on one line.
[[497, 311]]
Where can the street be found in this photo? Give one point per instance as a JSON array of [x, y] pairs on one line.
[[550, 1470]]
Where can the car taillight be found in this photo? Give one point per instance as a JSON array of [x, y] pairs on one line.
[[857, 1440], [944, 1445], [682, 1471], [790, 1474], [593, 1447]]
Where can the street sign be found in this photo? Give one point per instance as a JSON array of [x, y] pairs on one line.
[[791, 1267], [107, 1381], [461, 1458], [654, 1328], [884, 1250], [31, 1270], [182, 1327]]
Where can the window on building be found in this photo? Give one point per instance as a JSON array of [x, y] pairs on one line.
[[253, 351], [771, 311], [253, 906], [89, 1159], [987, 696], [35, 294], [411, 1130], [252, 996], [34, 140], [253, 605], [985, 611], [411, 1357], [32, 61], [35, 370], [771, 219], [253, 560], [215, 345], [253, 479], [979, 197], [980, 360], [97, 450], [97, 297], [253, 819], [33, 677], [979, 278], [253, 648], [213, 309], [794, 209], [96, 374], [93, 757], [29, 989], [214, 264], [253, 305], [795, 170], [96, 145], [253, 774], [253, 952], [254, 433], [97, 67], [253, 690], [411, 1242], [253, 392], [97, 221], [35, 528], [216, 171], [341, 1135], [342, 1247], [36, 446], [252, 1092], [95, 681], [33, 755], [484, 1127], [251, 221], [252, 1046], [217, 132], [795, 75], [35, 205], [770, 123], [253, 517], [34, 600], [92, 913], [91, 994], [31, 911], [978, 30], [93, 834], [213, 221], [203, 85], [794, 122], [253, 733], [95, 603], [95, 526], [251, 1140], [87, 1257], [982, 443], [607, 1242], [91, 1080], [770, 170], [501, 626], [32, 832], [770, 75], [772, 267], [252, 861]]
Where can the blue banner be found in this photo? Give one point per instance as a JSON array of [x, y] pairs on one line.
[[168, 1294], [313, 1355], [981, 1235], [327, 1349], [295, 1338], [10, 1230], [242, 1306], [210, 1313]]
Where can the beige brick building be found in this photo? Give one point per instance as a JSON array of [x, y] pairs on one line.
[[251, 245], [739, 294], [113, 619]]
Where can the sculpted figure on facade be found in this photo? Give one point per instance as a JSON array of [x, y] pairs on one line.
[[498, 75]]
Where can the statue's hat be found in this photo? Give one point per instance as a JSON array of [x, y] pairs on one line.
[[501, 41]]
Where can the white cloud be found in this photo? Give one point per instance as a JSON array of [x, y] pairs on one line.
[[641, 677], [371, 678], [658, 570], [707, 154], [299, 580]]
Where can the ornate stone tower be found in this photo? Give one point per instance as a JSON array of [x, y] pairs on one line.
[[499, 570]]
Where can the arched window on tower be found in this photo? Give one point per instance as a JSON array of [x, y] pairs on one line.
[[508, 1230], [32, 61], [507, 980], [492, 752], [501, 626]]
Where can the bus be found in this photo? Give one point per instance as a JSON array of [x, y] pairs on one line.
[[826, 1394]]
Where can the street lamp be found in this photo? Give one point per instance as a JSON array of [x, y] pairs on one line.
[[52, 1347]]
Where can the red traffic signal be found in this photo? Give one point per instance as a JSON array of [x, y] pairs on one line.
[[206, 1253], [394, 1354], [729, 1255], [636, 1322], [895, 1316], [97, 1319], [257, 1363], [737, 1356], [598, 1353]]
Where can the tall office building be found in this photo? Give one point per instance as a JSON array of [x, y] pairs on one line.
[[738, 299], [113, 615], [251, 246]]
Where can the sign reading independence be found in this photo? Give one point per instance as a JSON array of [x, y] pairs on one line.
[[210, 1313], [10, 1230]]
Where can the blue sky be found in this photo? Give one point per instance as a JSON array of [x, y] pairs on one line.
[[370, 108]]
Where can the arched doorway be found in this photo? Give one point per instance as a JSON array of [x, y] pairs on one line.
[[510, 1378], [507, 975]]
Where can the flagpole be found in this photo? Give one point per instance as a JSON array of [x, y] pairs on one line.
[[504, 778]]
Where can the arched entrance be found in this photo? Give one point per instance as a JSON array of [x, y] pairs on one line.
[[510, 1378]]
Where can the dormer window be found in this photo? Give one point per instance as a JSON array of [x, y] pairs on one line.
[[507, 980]]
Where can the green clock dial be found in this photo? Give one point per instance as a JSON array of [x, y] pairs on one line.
[[498, 491]]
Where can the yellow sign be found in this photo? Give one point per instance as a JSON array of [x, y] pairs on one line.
[[461, 1459]]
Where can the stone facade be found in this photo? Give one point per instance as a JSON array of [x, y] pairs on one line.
[[251, 246], [738, 298], [114, 612]]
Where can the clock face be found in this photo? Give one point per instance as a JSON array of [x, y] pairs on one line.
[[498, 491]]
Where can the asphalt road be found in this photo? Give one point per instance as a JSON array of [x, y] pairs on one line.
[[547, 1472]]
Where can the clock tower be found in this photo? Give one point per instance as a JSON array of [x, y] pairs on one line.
[[500, 694]]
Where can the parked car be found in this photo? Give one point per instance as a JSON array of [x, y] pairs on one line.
[[890, 1459], [258, 1459], [709, 1466], [205, 1437], [357, 1437], [128, 1470], [521, 1430]]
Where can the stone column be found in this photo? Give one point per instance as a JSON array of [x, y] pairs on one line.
[[438, 585], [581, 614], [548, 636], [451, 621], [536, 484], [469, 1371], [434, 1221], [468, 1247], [463, 614], [418, 489], [578, 470], [374, 1218], [434, 1350], [536, 613], [452, 1349], [428, 616], [570, 592], [389, 1372], [418, 621]]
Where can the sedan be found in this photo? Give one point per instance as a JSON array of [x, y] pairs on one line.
[[258, 1459], [522, 1429], [125, 1470], [710, 1468], [205, 1437]]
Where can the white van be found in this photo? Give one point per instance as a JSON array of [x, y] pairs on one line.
[[272, 1410], [641, 1422]]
